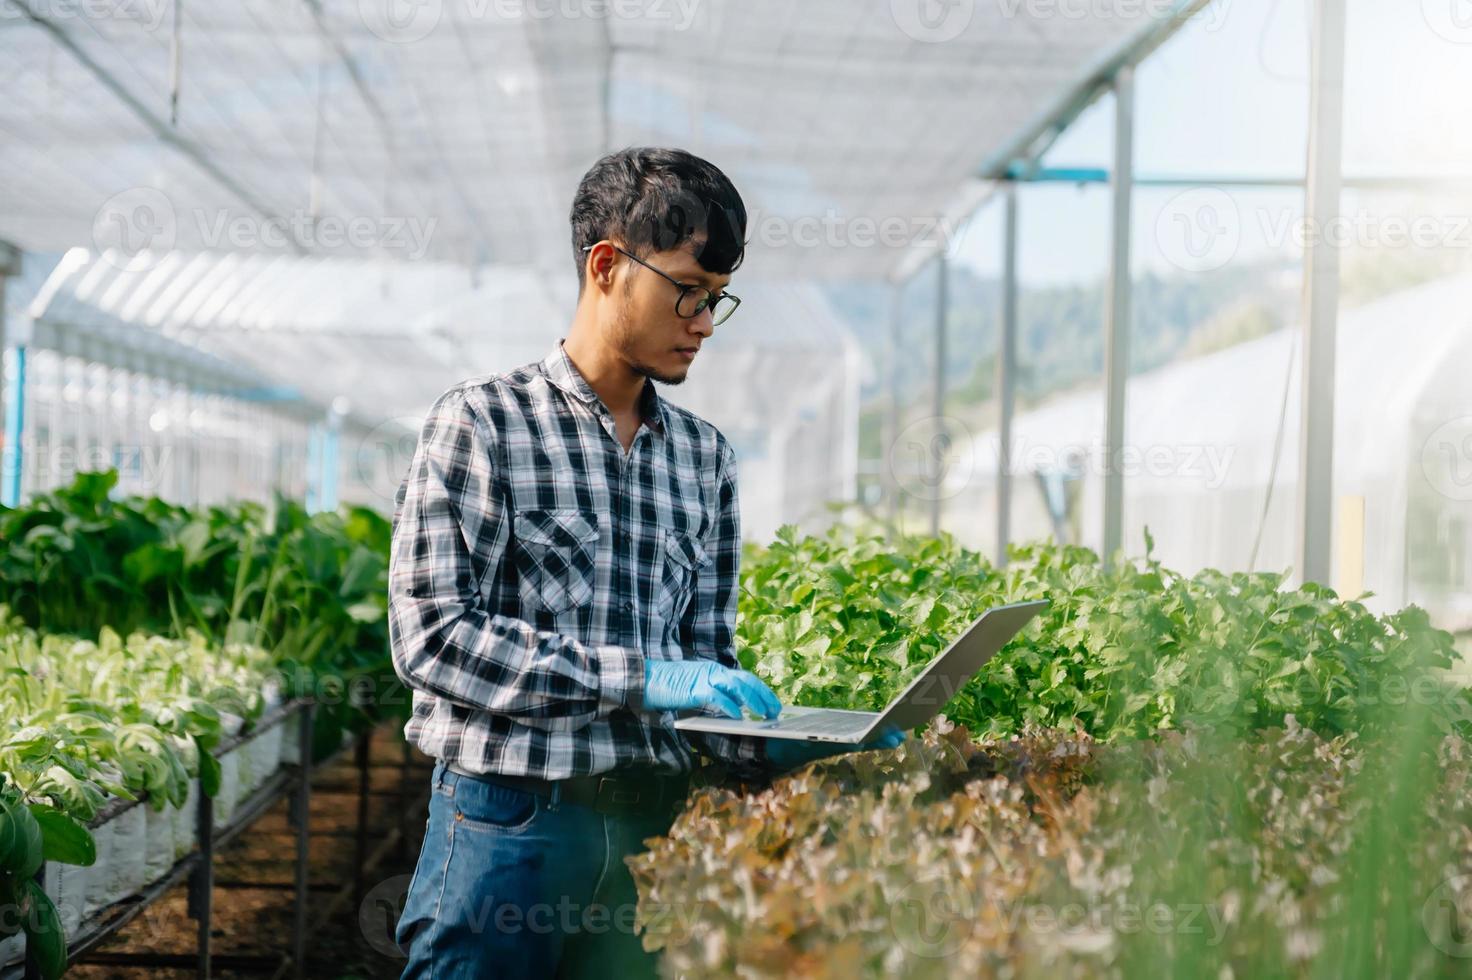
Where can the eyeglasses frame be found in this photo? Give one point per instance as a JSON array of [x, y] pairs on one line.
[[684, 287]]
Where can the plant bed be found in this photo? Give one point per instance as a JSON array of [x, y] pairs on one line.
[[1165, 775], [1054, 855], [256, 921]]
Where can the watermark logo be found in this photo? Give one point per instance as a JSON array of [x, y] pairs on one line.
[[1102, 11], [378, 916], [400, 21], [832, 229], [676, 15], [144, 468], [1446, 458], [933, 917], [408, 21], [1446, 916], [134, 228], [932, 458], [932, 21], [1206, 463], [1199, 229], [382, 456], [149, 14], [935, 458], [406, 235], [1449, 19], [485, 915]]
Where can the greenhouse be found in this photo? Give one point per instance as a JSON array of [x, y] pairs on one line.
[[690, 488], [1208, 499]]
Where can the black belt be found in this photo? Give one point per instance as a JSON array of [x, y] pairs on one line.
[[617, 795]]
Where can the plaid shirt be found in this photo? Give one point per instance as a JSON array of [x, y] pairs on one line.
[[535, 566]]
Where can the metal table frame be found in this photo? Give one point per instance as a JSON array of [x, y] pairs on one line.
[[198, 866]]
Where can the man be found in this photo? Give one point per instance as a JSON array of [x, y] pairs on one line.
[[563, 580]]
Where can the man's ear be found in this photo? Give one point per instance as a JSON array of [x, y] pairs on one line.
[[602, 259]]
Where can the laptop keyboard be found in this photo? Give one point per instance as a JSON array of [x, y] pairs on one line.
[[821, 723]]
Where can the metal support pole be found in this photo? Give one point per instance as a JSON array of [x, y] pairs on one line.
[[140, 423], [1006, 371], [81, 409], [176, 445], [892, 408], [1117, 314], [9, 266], [314, 468], [192, 440], [301, 805], [1320, 291], [202, 880], [360, 753], [176, 59], [46, 476], [938, 386], [15, 427], [5, 397], [331, 440], [94, 385]]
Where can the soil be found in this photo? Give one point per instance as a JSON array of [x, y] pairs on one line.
[[254, 874]]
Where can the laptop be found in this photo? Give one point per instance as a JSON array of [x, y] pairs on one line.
[[922, 700]]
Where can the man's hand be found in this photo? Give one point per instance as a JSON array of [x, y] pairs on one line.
[[680, 685], [788, 753]]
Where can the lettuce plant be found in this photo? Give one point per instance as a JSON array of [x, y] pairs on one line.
[[846, 621]]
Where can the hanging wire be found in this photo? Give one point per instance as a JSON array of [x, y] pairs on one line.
[[176, 63], [1267, 499], [319, 127]]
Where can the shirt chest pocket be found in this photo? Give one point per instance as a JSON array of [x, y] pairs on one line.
[[684, 559], [556, 557]]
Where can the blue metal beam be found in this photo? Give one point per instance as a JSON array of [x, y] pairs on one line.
[[314, 467], [330, 441], [15, 428], [1020, 173], [268, 393]]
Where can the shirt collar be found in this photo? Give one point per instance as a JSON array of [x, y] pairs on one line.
[[564, 374]]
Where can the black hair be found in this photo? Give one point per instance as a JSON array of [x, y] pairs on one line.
[[652, 199]]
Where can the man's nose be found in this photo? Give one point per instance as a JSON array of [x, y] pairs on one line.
[[702, 324]]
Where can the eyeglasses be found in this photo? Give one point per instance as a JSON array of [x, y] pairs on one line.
[[693, 299]]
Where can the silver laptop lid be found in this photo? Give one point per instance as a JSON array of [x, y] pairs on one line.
[[944, 676]]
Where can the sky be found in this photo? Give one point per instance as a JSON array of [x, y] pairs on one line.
[[1228, 96]]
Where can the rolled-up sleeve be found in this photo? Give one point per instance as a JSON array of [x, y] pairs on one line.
[[450, 531]]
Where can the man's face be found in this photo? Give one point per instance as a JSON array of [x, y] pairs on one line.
[[655, 340]]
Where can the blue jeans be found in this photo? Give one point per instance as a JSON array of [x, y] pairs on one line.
[[508, 885]]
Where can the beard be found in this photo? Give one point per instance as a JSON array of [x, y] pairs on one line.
[[624, 340], [654, 375]]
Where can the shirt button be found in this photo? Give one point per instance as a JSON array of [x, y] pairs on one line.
[[629, 605]]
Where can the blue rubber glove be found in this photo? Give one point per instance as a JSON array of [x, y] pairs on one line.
[[786, 753], [681, 685]]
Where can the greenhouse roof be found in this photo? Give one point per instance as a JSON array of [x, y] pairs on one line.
[[390, 337], [458, 131]]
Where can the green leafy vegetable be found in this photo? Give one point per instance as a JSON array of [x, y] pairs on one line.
[[846, 621]]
